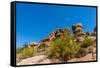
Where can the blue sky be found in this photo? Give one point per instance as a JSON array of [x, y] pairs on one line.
[[34, 21]]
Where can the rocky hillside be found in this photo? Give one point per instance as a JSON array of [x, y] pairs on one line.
[[59, 46]]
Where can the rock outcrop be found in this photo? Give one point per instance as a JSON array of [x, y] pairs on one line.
[[78, 31]]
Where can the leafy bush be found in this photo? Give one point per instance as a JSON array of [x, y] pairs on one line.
[[27, 52], [63, 48], [85, 47], [87, 42], [82, 52]]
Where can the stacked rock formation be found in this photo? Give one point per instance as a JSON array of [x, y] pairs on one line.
[[78, 31]]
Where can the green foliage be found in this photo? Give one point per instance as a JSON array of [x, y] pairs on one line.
[[87, 42], [82, 52], [84, 47], [63, 48], [27, 52]]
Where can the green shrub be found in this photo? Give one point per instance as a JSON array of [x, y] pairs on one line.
[[27, 52], [87, 42], [63, 48], [82, 52], [84, 47]]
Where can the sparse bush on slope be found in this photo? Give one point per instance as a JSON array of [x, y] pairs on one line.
[[87, 42], [86, 46], [63, 48], [27, 52]]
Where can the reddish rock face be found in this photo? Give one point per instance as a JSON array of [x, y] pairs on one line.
[[45, 40]]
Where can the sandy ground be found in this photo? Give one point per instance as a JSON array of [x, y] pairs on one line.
[[42, 59], [88, 57], [35, 60]]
